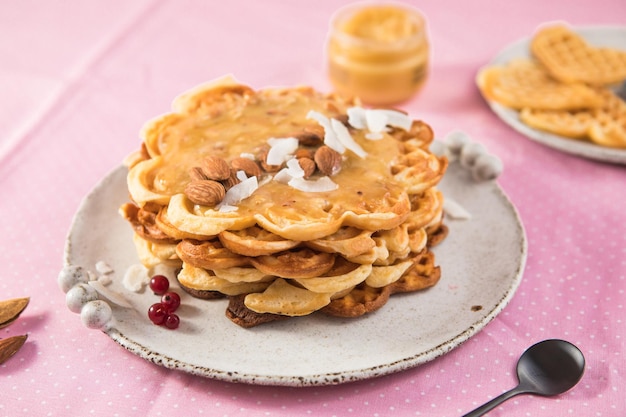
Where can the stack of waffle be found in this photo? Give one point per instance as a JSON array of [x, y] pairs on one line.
[[287, 201], [565, 88]]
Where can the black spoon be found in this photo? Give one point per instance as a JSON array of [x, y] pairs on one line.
[[547, 368]]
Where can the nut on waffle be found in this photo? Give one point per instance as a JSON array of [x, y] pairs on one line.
[[563, 88], [287, 201]]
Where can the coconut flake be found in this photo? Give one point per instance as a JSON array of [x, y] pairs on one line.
[[135, 278], [346, 139], [103, 268], [294, 169], [241, 175], [314, 186], [281, 149], [397, 119], [104, 279], [237, 193], [247, 155], [283, 176], [330, 137], [374, 136], [356, 117], [455, 210], [377, 120], [225, 208], [110, 295]]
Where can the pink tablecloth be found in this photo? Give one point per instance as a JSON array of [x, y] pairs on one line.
[[79, 78]]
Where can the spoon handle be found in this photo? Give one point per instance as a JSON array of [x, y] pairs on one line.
[[495, 402]]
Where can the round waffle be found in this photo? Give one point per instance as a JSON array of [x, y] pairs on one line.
[[276, 199]]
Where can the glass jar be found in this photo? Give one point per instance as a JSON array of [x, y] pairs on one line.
[[378, 52]]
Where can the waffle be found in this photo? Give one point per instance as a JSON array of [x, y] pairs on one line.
[[562, 89], [609, 123], [570, 59], [605, 126], [286, 201], [571, 124], [526, 83]]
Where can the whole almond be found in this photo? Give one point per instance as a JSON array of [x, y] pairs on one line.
[[205, 192], [246, 165], [10, 346], [232, 180], [262, 157], [308, 166], [328, 160], [197, 174], [304, 153], [311, 137], [11, 309], [215, 168]]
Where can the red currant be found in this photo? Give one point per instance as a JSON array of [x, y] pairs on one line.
[[159, 284], [171, 301], [172, 321], [157, 313]]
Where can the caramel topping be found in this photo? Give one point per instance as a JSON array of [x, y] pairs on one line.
[[243, 126]]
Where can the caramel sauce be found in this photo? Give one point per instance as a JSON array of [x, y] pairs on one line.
[[365, 185]]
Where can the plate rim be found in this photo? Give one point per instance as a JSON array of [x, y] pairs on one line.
[[316, 379], [563, 144]]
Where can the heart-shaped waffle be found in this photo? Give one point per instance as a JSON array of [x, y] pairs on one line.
[[526, 83], [570, 59], [605, 126]]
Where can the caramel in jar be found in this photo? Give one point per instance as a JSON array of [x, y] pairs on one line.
[[378, 52]]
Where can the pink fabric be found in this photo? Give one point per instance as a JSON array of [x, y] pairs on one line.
[[79, 78]]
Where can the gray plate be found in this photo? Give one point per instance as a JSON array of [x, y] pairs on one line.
[[482, 262], [606, 36]]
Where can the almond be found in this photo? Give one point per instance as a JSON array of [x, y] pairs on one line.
[[10, 346], [232, 180], [308, 166], [311, 137], [246, 165], [11, 309], [262, 156], [304, 153], [328, 160], [205, 192], [215, 168], [197, 174]]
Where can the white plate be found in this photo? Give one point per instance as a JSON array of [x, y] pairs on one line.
[[482, 262], [606, 36]]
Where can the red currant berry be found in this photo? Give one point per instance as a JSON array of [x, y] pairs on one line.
[[172, 321], [157, 313], [159, 284], [171, 301]]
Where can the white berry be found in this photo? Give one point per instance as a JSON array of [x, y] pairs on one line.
[[487, 167], [455, 141], [71, 275], [96, 314], [79, 295], [470, 152]]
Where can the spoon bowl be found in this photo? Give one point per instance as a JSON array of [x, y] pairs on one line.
[[547, 368]]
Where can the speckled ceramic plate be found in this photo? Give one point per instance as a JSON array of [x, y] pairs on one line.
[[607, 36], [482, 262]]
